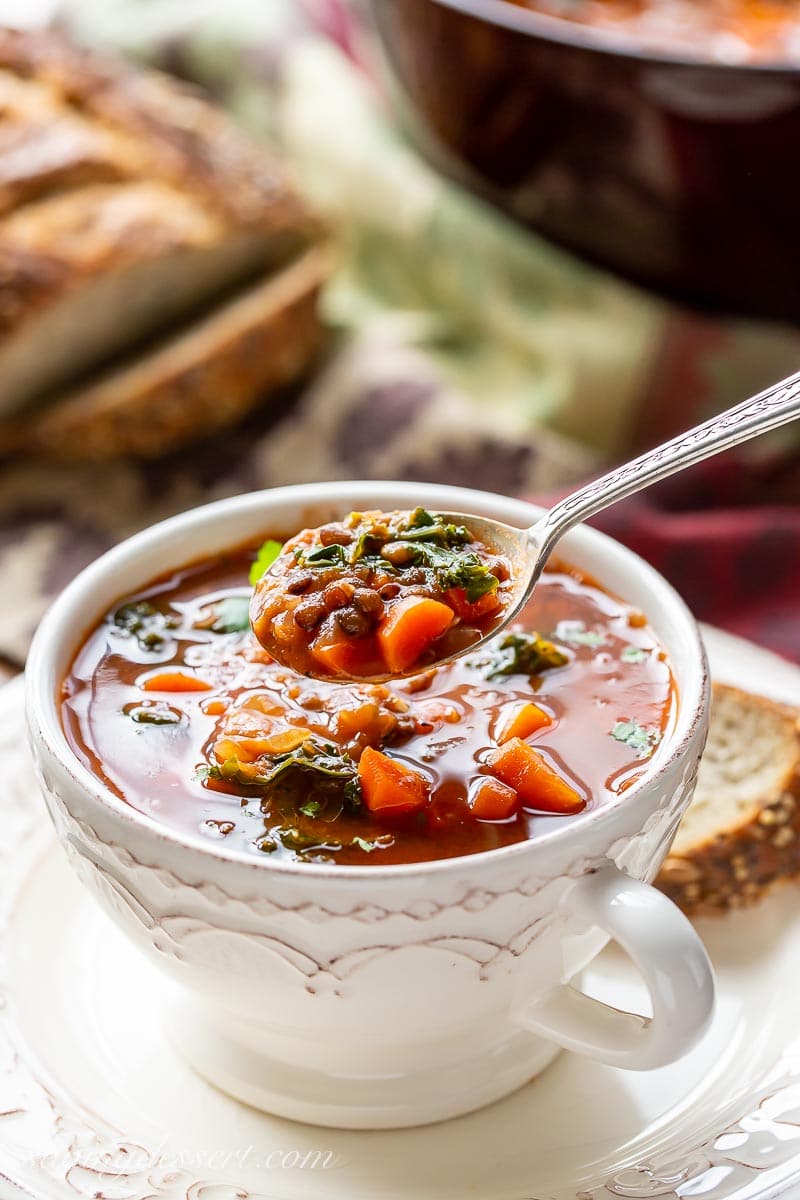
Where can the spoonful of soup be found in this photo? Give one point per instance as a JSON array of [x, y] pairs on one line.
[[381, 595]]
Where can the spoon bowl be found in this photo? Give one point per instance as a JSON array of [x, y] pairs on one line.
[[527, 550]]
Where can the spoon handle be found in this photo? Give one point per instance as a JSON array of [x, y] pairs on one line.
[[775, 406]]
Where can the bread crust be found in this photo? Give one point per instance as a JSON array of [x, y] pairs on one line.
[[201, 380], [736, 865], [134, 161]]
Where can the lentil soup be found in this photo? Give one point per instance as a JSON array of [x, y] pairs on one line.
[[174, 704]]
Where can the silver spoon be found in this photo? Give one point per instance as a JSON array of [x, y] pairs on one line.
[[528, 549]]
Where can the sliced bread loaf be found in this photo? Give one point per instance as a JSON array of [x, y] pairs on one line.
[[127, 204], [190, 384], [742, 829]]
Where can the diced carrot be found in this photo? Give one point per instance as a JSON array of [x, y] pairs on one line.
[[250, 748], [475, 611], [538, 784], [520, 720], [369, 720], [225, 748], [341, 655], [282, 628], [492, 800], [408, 629], [262, 702], [214, 708], [389, 787], [175, 681], [430, 715], [249, 722]]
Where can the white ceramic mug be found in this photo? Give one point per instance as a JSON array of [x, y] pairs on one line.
[[385, 996]]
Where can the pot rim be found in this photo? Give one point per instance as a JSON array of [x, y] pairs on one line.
[[570, 34]]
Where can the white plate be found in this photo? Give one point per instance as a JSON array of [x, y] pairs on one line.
[[94, 1102]]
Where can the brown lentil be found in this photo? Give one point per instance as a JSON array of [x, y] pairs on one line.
[[353, 622], [368, 600], [300, 583], [338, 595], [335, 535], [397, 554], [309, 614]]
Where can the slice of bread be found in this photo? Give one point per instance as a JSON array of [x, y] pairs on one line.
[[190, 384], [742, 829], [128, 204]]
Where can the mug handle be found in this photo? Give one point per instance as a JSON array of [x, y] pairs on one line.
[[671, 959]]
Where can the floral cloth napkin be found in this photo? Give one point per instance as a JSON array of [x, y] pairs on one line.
[[467, 350]]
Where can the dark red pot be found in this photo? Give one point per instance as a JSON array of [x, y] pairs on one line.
[[684, 176]]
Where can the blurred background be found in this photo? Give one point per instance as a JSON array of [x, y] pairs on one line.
[[466, 241]]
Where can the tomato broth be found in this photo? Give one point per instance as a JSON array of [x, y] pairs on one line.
[[175, 706]]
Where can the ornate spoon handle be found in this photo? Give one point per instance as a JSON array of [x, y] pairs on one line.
[[775, 406]]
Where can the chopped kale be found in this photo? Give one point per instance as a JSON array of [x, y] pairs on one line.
[[142, 620], [352, 793], [264, 559], [519, 654], [639, 738], [467, 571], [295, 839], [374, 562], [367, 546], [424, 526], [321, 762], [453, 568], [420, 518], [325, 556], [429, 542]]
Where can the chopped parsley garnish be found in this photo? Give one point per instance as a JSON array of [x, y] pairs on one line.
[[311, 808], [575, 633], [519, 654], [633, 654], [264, 559], [638, 737], [422, 540], [142, 620], [364, 845]]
